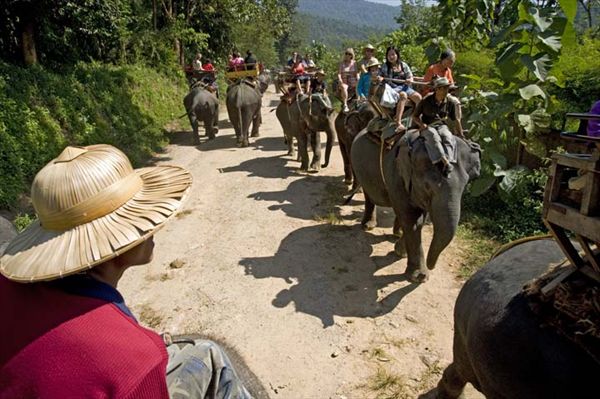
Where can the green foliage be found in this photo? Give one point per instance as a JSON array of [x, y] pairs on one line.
[[22, 220], [410, 52], [41, 112], [578, 69], [509, 211]]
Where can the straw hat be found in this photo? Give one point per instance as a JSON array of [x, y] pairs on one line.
[[91, 206], [369, 47], [320, 72], [372, 62], [441, 82]]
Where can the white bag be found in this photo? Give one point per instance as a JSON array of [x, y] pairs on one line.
[[389, 98]]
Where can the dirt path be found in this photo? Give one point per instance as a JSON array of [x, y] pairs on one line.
[[268, 259]]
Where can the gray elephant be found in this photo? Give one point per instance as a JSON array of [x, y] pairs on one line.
[[303, 119], [406, 180], [500, 346], [202, 104], [244, 102], [347, 127]]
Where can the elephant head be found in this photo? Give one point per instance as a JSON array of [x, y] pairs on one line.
[[441, 196]]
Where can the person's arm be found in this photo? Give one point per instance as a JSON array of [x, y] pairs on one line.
[[458, 115], [416, 117], [408, 73]]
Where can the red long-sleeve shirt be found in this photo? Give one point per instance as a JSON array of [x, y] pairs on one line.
[[59, 344]]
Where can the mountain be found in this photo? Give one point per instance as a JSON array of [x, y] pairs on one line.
[[337, 22], [356, 12]]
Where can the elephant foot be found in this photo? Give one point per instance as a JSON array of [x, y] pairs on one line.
[[326, 164], [211, 137], [348, 181], [418, 277], [399, 249], [255, 134], [245, 143], [369, 225]]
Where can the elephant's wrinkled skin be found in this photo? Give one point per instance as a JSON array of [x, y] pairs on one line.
[[303, 121], [244, 102], [201, 104], [347, 127], [499, 346], [430, 192]]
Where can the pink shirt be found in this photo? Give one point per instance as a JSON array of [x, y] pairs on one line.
[[349, 72]]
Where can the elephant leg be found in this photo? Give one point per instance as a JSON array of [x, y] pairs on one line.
[[290, 144], [369, 220], [348, 177], [315, 141], [215, 122], [400, 245], [194, 124], [452, 384], [256, 124], [412, 224], [246, 120], [303, 151], [208, 126]]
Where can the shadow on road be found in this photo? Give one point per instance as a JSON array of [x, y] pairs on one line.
[[274, 167], [309, 198], [271, 144], [331, 273]]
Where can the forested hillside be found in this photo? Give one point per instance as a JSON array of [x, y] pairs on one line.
[[355, 12], [334, 33]]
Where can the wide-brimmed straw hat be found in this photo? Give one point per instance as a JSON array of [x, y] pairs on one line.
[[91, 206], [372, 62], [441, 82], [369, 47], [320, 72]]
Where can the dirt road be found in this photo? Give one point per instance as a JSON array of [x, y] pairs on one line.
[[266, 258]]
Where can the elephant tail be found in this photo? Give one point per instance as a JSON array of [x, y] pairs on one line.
[[349, 198], [181, 116]]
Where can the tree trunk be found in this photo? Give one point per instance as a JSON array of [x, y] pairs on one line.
[[154, 15], [28, 44]]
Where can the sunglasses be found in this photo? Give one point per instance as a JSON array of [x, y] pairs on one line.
[[350, 54]]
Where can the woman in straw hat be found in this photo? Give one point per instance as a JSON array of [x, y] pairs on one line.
[[68, 332]]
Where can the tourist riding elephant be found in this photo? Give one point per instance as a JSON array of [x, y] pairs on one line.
[[503, 348], [413, 186], [304, 121], [244, 102], [347, 126], [202, 104]]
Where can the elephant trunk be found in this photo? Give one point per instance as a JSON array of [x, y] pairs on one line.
[[330, 131], [445, 214]]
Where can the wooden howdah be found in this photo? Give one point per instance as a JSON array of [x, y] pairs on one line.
[[574, 212]]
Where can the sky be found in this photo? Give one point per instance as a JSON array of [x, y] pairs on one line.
[[388, 2]]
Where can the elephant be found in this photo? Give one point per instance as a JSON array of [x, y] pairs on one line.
[[244, 102], [201, 104], [347, 127], [303, 119], [408, 182], [501, 347]]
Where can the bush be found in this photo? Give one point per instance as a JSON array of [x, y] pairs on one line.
[[509, 215], [41, 112]]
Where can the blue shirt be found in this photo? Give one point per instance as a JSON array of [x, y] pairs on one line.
[[364, 83]]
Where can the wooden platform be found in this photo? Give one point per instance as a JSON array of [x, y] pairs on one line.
[[572, 203]]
